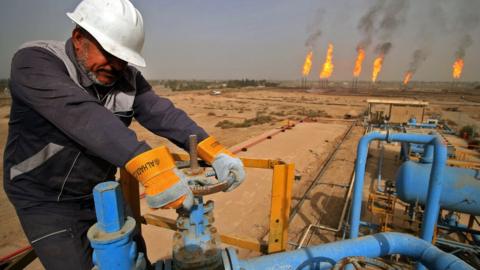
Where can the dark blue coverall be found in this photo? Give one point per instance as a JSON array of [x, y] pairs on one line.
[[67, 135]]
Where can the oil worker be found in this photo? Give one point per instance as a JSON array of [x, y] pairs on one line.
[[72, 103]]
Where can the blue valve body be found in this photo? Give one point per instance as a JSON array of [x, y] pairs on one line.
[[111, 236]]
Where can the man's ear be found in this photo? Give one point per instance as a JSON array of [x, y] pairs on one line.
[[77, 39]]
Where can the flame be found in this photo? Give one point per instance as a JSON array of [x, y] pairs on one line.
[[328, 65], [377, 66], [358, 63], [407, 77], [457, 68], [308, 64]]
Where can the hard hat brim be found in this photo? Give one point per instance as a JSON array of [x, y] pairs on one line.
[[117, 50]]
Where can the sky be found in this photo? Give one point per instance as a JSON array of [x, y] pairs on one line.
[[266, 39]]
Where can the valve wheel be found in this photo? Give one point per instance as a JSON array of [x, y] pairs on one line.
[[199, 190]]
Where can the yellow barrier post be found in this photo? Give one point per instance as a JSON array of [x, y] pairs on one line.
[[280, 207], [282, 182], [131, 194]]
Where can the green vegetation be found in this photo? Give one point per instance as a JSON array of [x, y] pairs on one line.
[[154, 82], [314, 113], [280, 113], [4, 92], [469, 130], [301, 113], [3, 84], [247, 83], [182, 85], [258, 120]]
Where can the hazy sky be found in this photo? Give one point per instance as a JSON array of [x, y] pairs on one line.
[[203, 39]]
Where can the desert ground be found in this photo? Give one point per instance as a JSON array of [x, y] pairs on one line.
[[322, 144]]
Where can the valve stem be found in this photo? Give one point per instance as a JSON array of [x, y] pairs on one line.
[[194, 167]]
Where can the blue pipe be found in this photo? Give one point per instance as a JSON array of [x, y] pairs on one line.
[[379, 169], [423, 125], [413, 123], [435, 183], [383, 244], [427, 155], [404, 151]]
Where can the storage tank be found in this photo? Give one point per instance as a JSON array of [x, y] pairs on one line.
[[460, 191]]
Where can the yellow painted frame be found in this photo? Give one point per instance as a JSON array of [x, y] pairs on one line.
[[282, 182]]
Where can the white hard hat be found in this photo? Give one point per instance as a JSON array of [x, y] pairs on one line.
[[116, 24]]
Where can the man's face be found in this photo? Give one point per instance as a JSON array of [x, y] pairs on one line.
[[102, 67]]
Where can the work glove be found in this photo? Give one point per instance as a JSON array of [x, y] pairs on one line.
[[165, 185], [228, 168]]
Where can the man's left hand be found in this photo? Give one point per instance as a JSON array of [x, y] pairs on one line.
[[229, 169]]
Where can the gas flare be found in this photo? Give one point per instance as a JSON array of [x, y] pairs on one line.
[[408, 77], [377, 66], [328, 65], [358, 63], [308, 64], [457, 68]]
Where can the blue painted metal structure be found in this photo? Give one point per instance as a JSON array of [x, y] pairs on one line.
[[453, 224], [435, 179], [413, 123], [460, 189], [109, 206], [379, 168], [196, 244], [325, 256], [111, 236]]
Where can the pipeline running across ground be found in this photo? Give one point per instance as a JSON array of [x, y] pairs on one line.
[[303, 238], [320, 173]]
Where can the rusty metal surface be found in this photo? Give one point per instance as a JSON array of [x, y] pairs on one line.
[[198, 190]]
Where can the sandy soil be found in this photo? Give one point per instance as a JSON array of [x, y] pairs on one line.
[[307, 145]]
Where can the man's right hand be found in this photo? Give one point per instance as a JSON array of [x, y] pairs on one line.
[[165, 186]]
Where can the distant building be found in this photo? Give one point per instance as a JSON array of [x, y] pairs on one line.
[[395, 111]]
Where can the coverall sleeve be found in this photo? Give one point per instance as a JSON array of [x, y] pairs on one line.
[[40, 80], [161, 117]]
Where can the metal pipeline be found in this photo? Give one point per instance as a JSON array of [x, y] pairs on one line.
[[379, 168], [320, 173], [413, 123], [347, 198], [435, 183], [423, 125], [340, 223], [325, 256]]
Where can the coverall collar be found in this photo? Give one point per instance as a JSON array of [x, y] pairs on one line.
[[83, 78]]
